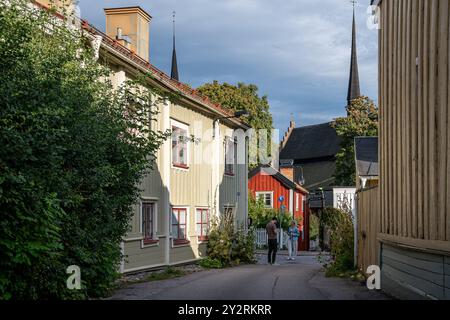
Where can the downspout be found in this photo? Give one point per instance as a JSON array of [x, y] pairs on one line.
[[166, 178]]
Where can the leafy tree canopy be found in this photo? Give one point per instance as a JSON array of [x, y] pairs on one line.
[[73, 151], [242, 97], [361, 121]]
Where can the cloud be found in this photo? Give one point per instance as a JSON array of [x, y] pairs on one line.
[[296, 51]]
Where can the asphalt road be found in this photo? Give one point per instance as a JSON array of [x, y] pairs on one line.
[[299, 280]]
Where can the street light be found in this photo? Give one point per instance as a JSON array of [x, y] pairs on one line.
[[302, 180]]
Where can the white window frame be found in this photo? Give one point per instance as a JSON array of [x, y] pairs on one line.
[[155, 222], [259, 193], [197, 222], [188, 241], [297, 201], [182, 126]]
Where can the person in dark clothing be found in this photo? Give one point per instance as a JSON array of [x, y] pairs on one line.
[[271, 229]]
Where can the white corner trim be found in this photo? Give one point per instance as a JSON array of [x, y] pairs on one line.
[[122, 261], [96, 44]]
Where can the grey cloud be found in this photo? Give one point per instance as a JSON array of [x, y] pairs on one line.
[[296, 51]]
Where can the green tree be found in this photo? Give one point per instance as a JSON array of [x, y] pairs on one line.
[[361, 121], [261, 215], [73, 151], [242, 97]]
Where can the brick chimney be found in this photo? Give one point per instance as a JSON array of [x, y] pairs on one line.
[[131, 27], [287, 169]]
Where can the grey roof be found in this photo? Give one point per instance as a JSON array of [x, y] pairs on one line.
[[366, 155], [311, 142], [316, 174], [353, 83]]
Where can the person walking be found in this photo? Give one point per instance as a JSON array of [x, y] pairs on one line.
[[293, 234], [271, 229]]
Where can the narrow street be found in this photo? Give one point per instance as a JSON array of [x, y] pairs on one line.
[[299, 280]]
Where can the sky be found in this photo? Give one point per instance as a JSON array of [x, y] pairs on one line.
[[296, 51]]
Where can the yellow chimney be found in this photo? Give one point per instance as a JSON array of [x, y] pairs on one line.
[[131, 27]]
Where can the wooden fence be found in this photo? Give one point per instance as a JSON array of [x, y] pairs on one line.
[[368, 212]]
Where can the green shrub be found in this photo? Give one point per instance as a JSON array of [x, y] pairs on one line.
[[313, 227], [243, 248], [340, 224], [228, 245], [210, 263], [70, 162]]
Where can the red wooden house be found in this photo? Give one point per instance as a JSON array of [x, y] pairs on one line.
[[279, 191]]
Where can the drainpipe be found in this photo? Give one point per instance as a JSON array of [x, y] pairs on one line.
[[165, 172]]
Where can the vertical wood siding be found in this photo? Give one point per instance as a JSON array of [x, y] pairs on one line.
[[414, 116], [368, 227]]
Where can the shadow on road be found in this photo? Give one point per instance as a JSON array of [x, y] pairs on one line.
[[302, 279]]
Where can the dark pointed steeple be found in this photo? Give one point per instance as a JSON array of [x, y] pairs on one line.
[[353, 85], [174, 73]]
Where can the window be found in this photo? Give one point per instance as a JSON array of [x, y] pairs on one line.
[[202, 219], [148, 222], [297, 202], [303, 205], [179, 225], [228, 211], [266, 198], [230, 156], [179, 145]]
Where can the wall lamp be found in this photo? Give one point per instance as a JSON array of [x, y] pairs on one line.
[[237, 114]]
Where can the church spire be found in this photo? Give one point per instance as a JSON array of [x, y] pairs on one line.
[[174, 73], [353, 86]]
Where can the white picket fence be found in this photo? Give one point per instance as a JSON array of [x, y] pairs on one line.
[[261, 239]]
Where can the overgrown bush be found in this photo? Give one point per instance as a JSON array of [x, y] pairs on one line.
[[70, 161], [313, 227], [243, 248], [228, 245], [340, 224]]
